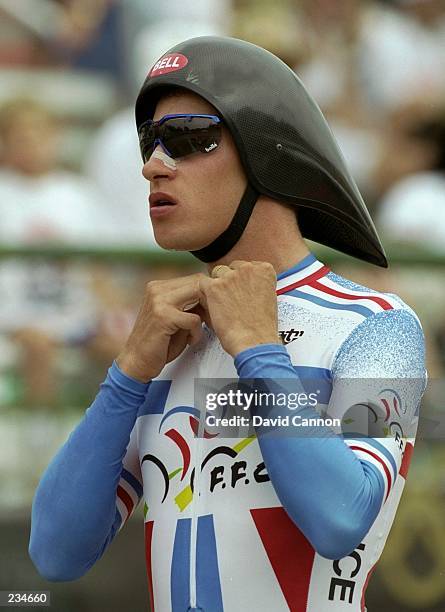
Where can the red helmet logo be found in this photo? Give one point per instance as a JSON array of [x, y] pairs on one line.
[[169, 63]]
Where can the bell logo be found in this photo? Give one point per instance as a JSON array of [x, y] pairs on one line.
[[169, 63]]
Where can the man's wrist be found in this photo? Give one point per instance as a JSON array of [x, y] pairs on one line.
[[126, 382], [246, 343], [127, 366]]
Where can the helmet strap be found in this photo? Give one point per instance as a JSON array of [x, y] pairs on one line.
[[230, 236]]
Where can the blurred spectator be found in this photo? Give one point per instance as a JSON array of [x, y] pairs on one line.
[[412, 211], [76, 32], [402, 54], [330, 34], [88, 34], [36, 356], [274, 26], [23, 32], [40, 202], [407, 130], [366, 61]]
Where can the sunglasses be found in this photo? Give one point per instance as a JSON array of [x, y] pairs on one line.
[[180, 135]]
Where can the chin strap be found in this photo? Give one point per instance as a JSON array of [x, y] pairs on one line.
[[230, 236]]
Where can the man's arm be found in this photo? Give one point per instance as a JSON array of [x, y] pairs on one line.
[[76, 513], [331, 489], [86, 493]]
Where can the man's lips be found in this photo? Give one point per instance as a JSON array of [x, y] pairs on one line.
[[159, 199]]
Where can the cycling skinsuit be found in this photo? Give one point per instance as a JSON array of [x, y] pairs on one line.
[[246, 524]]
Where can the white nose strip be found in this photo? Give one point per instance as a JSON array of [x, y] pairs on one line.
[[165, 159]]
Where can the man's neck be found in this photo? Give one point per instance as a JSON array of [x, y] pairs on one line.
[[271, 235]]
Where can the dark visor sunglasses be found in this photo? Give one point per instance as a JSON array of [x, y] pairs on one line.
[[180, 135]]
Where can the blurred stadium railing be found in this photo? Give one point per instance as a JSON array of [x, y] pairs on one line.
[[57, 338]]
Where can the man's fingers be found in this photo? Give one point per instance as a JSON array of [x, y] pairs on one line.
[[191, 306], [239, 263], [190, 322], [201, 312], [166, 286], [185, 296], [203, 285], [220, 270]]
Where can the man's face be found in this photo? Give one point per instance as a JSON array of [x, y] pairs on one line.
[[30, 142], [206, 186]]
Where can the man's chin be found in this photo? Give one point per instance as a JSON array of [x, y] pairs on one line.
[[179, 243]]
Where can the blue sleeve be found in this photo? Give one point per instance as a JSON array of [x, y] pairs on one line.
[[74, 516], [328, 491]]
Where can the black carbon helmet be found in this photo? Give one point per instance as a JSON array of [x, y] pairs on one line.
[[285, 144]]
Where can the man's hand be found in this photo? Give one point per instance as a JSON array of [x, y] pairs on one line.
[[241, 302], [162, 329]]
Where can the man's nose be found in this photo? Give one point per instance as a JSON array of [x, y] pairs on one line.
[[159, 165]]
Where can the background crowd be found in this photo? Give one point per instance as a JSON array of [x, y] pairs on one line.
[[70, 178]]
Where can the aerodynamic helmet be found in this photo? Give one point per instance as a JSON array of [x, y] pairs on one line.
[[285, 144]]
